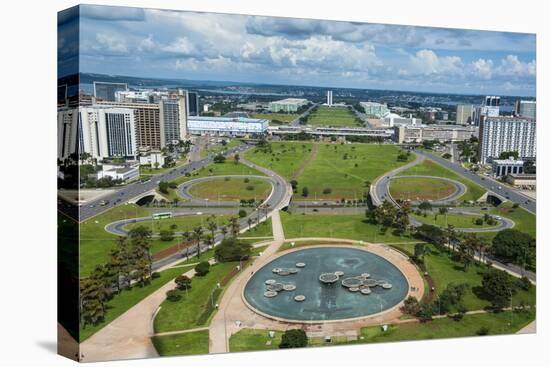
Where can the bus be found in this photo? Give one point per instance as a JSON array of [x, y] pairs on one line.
[[162, 215]]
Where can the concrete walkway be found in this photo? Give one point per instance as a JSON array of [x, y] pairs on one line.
[[529, 329], [129, 335]]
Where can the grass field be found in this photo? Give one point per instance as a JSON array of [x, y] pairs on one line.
[[420, 189], [186, 313], [525, 221], [254, 339], [229, 167], [329, 171], [232, 189], [430, 168], [497, 323], [185, 344], [457, 220], [129, 298], [333, 116], [216, 148], [276, 118], [264, 229], [183, 223], [350, 226], [444, 270]]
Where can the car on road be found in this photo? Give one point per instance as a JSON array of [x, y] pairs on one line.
[[104, 202]]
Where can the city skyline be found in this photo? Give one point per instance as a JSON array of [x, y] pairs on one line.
[[266, 50]]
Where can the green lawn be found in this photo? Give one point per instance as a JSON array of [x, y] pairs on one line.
[[276, 118], [186, 313], [430, 168], [457, 220], [333, 116], [183, 223], [253, 339], [420, 189], [229, 167], [329, 171], [185, 344], [524, 220], [95, 242], [498, 323], [444, 270], [131, 297], [350, 226], [264, 229], [232, 189]]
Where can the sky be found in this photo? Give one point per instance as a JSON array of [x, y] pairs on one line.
[[269, 50]]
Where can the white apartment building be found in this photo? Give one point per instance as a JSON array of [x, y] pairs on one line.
[[287, 105], [507, 134], [173, 120], [374, 109], [464, 114]]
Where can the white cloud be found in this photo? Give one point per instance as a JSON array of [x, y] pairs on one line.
[[511, 65], [111, 43], [182, 45], [483, 68], [147, 44], [427, 62]]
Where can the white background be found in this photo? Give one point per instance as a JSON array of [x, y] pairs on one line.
[[28, 181]]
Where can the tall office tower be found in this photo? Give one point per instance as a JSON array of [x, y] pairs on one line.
[[106, 91], [329, 98], [492, 101], [67, 130], [192, 103], [526, 109], [147, 121], [507, 134], [489, 108], [464, 114], [173, 120]]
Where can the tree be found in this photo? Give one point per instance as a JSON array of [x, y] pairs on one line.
[[242, 213], [197, 236], [249, 221], [452, 297], [294, 185], [305, 191], [212, 226], [173, 295], [93, 297], [236, 158], [166, 235], [508, 155], [183, 282], [294, 338], [234, 226], [431, 234], [202, 268], [419, 251], [231, 249], [223, 230], [140, 232], [514, 246], [498, 288], [425, 206], [426, 312], [411, 306], [163, 187]]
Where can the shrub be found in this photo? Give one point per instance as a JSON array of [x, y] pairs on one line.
[[183, 282], [484, 330], [249, 187], [295, 338], [155, 275], [166, 235], [202, 268], [242, 213], [231, 249], [327, 190], [173, 295]]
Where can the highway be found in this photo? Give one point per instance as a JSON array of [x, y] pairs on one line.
[[135, 189], [488, 183], [296, 121]]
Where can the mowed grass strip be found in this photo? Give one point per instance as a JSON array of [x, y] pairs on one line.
[[349, 226], [128, 298], [431, 168], [276, 118], [254, 339], [457, 220], [333, 116], [232, 189], [285, 158], [186, 313], [183, 223], [420, 189], [185, 344]]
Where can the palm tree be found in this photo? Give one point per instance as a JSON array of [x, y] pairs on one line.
[[223, 229], [234, 225], [212, 226], [197, 236], [249, 221]]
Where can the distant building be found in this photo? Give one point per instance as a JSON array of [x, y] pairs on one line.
[[507, 134], [391, 119], [464, 114], [151, 158], [287, 105], [329, 98], [490, 107], [524, 181], [441, 133], [526, 109], [123, 174], [141, 96], [505, 167], [192, 103], [206, 107], [374, 109], [173, 119], [106, 91], [226, 126]]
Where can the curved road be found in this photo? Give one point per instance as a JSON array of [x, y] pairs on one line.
[[460, 189]]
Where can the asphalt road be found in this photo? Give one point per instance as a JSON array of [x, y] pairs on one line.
[[493, 186], [133, 190]]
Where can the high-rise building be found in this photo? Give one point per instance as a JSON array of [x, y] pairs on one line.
[[526, 109], [507, 134], [173, 119], [489, 108], [192, 103], [147, 121], [464, 114], [102, 132], [106, 91], [329, 98]]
